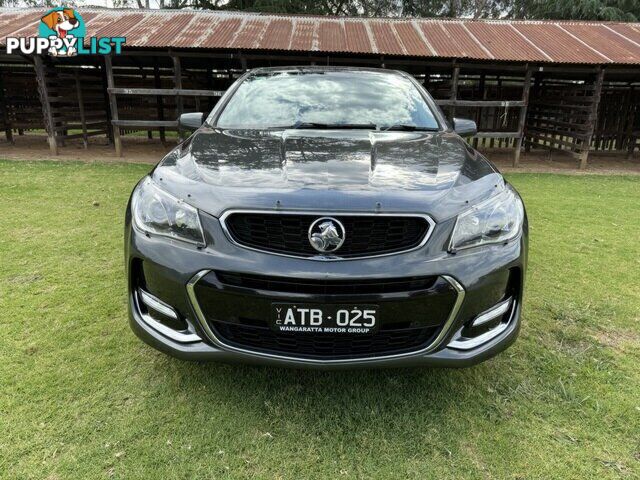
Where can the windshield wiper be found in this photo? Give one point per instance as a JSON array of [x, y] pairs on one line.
[[409, 128], [333, 126]]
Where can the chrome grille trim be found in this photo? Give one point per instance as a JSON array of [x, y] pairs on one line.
[[221, 344]]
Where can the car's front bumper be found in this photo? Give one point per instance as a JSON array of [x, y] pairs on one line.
[[445, 357], [484, 276]]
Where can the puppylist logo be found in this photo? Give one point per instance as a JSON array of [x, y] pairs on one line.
[[62, 32]]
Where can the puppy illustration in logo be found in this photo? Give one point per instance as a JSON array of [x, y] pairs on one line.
[[62, 22]]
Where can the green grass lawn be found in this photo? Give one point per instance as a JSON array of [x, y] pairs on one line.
[[82, 397]]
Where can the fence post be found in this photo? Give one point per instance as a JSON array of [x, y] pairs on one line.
[[523, 116], [159, 101], [114, 105], [6, 120], [593, 118], [453, 94], [46, 104], [177, 83], [83, 120]]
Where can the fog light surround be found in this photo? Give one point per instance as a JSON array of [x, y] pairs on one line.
[[491, 314], [462, 342], [154, 303]]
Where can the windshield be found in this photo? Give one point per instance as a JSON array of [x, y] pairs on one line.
[[325, 99]]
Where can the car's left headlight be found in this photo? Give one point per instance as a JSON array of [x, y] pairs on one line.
[[496, 220], [156, 212]]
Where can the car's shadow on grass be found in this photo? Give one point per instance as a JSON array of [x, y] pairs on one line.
[[359, 400]]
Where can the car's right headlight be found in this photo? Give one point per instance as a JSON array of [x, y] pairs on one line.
[[496, 220], [157, 212]]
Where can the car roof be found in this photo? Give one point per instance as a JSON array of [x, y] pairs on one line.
[[315, 68]]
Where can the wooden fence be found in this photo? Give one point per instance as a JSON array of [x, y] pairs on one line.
[[573, 110]]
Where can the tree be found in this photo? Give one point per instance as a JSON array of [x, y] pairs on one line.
[[612, 10], [617, 10], [455, 8]]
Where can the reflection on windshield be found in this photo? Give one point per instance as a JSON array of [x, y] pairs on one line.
[[291, 98]]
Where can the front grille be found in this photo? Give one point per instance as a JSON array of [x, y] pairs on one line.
[[365, 235], [326, 287], [257, 336]]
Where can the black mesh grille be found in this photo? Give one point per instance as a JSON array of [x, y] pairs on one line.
[[326, 287], [364, 235], [258, 337]]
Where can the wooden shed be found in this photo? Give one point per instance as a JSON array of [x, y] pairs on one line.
[[563, 86]]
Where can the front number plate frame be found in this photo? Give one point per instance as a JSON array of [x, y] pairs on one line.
[[313, 318]]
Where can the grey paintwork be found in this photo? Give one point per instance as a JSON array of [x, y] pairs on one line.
[[428, 172], [436, 173]]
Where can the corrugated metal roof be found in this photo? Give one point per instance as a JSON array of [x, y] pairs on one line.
[[629, 31], [357, 36], [604, 40], [15, 21], [502, 39], [470, 46], [558, 44], [534, 41], [442, 40]]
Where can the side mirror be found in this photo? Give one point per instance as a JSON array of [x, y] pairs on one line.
[[191, 121], [464, 127]]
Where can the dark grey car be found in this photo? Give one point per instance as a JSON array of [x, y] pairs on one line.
[[326, 217]]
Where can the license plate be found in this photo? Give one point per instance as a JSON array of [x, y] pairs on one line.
[[314, 318]]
